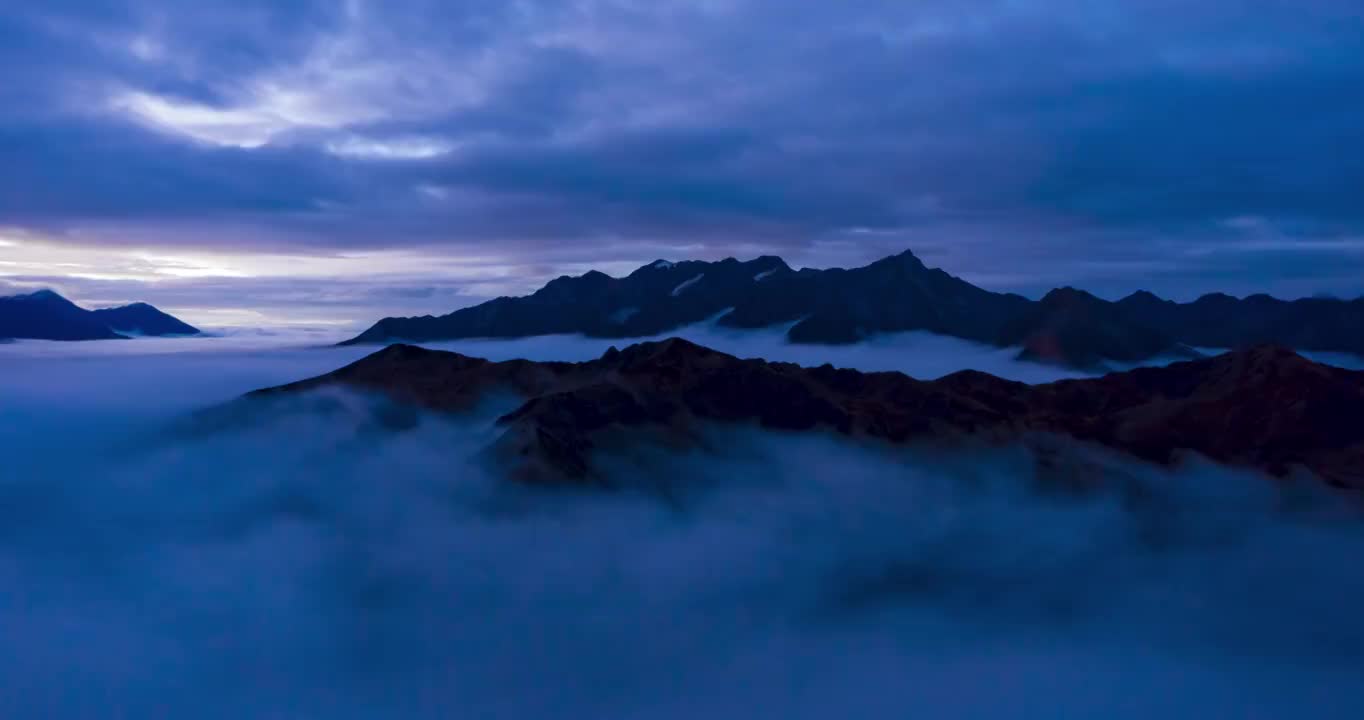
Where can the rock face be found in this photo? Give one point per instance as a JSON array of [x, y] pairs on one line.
[[45, 315], [898, 293], [143, 319], [1265, 408]]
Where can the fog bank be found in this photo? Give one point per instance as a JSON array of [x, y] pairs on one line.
[[307, 565]]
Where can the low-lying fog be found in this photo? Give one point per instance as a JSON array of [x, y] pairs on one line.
[[303, 566]]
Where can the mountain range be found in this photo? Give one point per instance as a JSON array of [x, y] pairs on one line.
[[895, 294], [46, 315], [1265, 408]]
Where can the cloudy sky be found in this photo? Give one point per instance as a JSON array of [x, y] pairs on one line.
[[303, 161]]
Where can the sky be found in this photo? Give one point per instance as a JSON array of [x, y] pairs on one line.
[[257, 162]]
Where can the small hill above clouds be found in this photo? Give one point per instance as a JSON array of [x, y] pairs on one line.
[[46, 315], [1072, 327], [895, 294], [1265, 408], [143, 319]]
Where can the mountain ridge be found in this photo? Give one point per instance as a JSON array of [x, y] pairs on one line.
[[46, 315], [894, 294], [1265, 408]]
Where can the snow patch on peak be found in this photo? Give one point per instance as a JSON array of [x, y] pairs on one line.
[[681, 288], [663, 265], [764, 274]]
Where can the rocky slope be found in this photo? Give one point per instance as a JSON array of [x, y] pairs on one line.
[[898, 293], [1265, 408]]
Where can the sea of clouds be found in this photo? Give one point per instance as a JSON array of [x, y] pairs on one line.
[[305, 564]]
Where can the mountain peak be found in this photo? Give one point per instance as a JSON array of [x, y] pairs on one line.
[[1143, 296], [1216, 297], [672, 351], [44, 295], [905, 258], [139, 318], [659, 264], [1068, 296]]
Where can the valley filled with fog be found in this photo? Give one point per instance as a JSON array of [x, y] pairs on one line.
[[308, 564]]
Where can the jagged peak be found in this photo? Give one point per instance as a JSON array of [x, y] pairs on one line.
[[659, 265], [905, 258], [766, 262], [591, 276]]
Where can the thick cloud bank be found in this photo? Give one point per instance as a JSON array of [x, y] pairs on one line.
[[310, 565]]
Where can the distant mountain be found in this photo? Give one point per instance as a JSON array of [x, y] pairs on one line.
[[653, 299], [1072, 327], [1218, 320], [1265, 408], [895, 294], [45, 315], [143, 319], [824, 306]]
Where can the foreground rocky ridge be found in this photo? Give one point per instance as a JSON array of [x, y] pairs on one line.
[[895, 294], [1265, 408]]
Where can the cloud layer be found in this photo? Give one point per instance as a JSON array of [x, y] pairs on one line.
[[1108, 144], [309, 566]]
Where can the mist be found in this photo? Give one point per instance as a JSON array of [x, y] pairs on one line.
[[308, 564]]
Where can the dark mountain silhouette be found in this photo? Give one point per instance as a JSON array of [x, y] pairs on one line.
[[653, 299], [1265, 408], [1072, 327], [45, 315], [826, 306], [143, 319], [1217, 320], [898, 293]]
